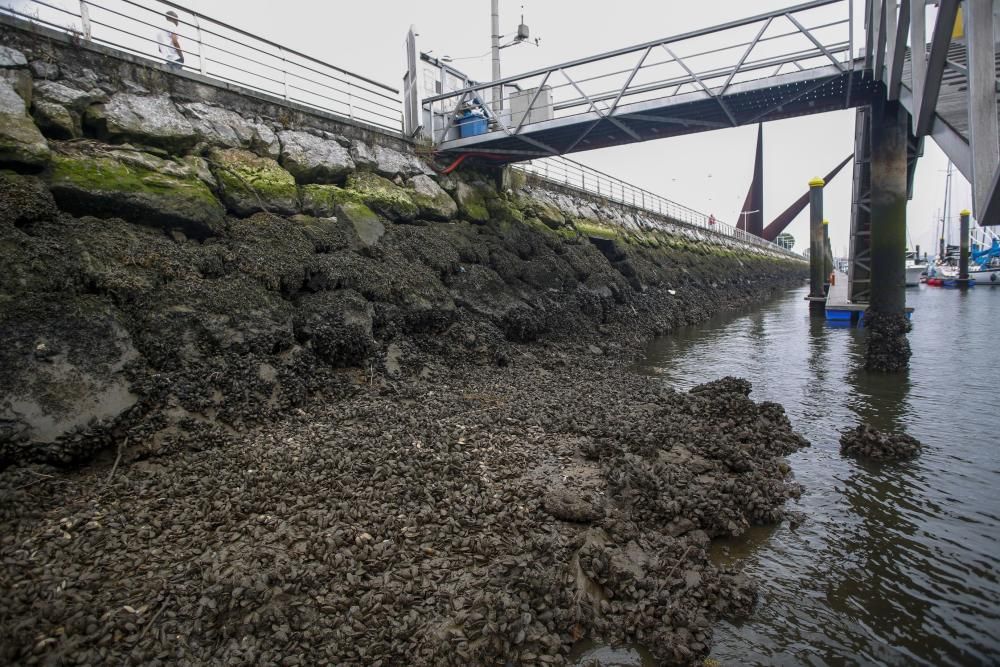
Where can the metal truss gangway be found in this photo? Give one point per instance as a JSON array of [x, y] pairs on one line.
[[786, 63], [947, 78]]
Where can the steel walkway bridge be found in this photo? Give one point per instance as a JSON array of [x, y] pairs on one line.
[[906, 82], [949, 90], [782, 64], [796, 61]]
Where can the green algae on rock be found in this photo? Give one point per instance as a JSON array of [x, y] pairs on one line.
[[383, 196], [136, 186], [322, 200], [21, 143], [471, 202], [250, 183], [366, 224], [434, 203]]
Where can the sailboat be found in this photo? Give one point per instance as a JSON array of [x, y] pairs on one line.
[[945, 271], [985, 266], [914, 269]]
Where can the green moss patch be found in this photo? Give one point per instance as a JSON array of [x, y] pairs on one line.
[[250, 183], [322, 200], [595, 230], [383, 196], [105, 186]]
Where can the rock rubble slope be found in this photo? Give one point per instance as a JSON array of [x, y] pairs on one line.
[[271, 393]]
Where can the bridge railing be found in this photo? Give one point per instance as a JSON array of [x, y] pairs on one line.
[[709, 63], [571, 174], [219, 51]]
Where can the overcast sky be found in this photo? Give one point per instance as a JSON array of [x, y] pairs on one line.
[[709, 171]]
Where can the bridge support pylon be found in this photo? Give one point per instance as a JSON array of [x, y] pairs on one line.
[[887, 347], [963, 256], [817, 248]]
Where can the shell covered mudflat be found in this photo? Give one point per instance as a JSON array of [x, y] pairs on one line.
[[474, 515]]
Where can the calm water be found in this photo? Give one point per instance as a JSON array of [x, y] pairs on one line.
[[896, 563]]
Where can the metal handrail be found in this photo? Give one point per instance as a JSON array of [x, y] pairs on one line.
[[565, 172], [558, 170], [642, 47], [226, 53]]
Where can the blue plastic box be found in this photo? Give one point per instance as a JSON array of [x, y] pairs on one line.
[[471, 124]]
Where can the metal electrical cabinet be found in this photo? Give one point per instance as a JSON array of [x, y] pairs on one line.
[[521, 100]]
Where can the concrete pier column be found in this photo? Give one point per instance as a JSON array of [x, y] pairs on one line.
[[887, 346], [963, 254], [817, 248]]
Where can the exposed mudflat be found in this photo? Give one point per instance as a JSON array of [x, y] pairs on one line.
[[410, 522]]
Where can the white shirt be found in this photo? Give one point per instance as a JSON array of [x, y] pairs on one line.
[[165, 38]]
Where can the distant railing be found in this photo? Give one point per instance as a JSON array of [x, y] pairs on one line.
[[569, 173], [220, 51], [229, 54]]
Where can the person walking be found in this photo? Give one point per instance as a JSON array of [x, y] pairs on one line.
[[170, 43]]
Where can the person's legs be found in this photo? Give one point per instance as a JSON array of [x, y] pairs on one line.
[[174, 65]]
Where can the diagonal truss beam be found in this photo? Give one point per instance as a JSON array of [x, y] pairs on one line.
[[528, 140], [701, 83], [746, 54], [531, 105], [621, 93], [935, 65], [805, 31], [895, 81], [593, 106]]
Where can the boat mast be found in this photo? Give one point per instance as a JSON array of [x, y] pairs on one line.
[[946, 216]]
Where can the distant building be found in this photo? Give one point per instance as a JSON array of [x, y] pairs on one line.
[[785, 240]]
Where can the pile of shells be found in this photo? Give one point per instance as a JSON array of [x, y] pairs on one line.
[[866, 442], [886, 348], [473, 515]]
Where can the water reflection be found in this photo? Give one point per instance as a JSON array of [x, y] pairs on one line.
[[895, 564], [879, 399]]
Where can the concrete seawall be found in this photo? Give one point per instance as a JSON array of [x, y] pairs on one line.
[[254, 329]]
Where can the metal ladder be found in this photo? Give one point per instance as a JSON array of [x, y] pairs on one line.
[[859, 270], [859, 267]]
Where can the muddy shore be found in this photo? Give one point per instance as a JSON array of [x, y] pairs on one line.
[[468, 514], [416, 446], [273, 390]]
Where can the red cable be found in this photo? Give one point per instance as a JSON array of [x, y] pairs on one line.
[[461, 158]]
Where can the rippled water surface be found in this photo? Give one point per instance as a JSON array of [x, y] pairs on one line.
[[895, 563]]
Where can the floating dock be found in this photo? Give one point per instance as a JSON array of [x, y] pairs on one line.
[[840, 309]]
